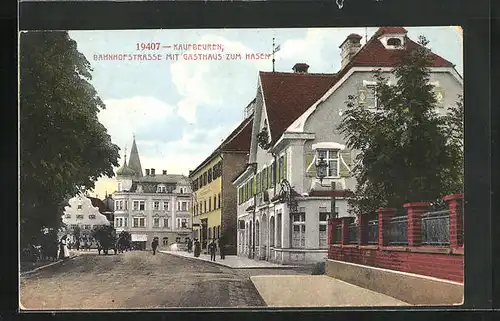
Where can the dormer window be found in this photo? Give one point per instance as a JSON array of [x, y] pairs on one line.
[[395, 42], [182, 190], [161, 189]]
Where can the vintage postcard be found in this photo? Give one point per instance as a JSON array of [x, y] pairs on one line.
[[236, 168]]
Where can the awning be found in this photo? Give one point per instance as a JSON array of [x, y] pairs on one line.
[[139, 238]]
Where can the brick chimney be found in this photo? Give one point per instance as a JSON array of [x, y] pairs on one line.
[[147, 171], [164, 172], [152, 172], [349, 48], [300, 68]]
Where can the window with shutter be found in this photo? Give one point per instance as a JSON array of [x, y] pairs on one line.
[[284, 166], [276, 173], [345, 156], [310, 164], [439, 93], [258, 183], [362, 96]]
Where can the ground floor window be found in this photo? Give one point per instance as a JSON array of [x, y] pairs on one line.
[[178, 239], [278, 231], [165, 241], [298, 230], [257, 231]]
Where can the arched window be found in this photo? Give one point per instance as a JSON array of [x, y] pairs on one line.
[[396, 42], [165, 241]]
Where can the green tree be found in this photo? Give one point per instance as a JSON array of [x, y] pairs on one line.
[[105, 235], [63, 145], [407, 152]]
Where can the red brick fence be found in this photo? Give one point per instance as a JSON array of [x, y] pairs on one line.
[[420, 242]]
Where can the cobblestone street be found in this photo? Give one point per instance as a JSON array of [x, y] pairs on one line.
[[139, 280]]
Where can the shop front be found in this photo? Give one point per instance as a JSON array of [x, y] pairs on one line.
[[139, 241]]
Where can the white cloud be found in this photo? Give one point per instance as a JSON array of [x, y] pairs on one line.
[[123, 117], [212, 82]]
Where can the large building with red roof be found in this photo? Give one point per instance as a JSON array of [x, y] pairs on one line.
[[214, 196], [283, 206]]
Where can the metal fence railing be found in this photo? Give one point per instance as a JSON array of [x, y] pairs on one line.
[[436, 228], [353, 234], [398, 230], [372, 232]]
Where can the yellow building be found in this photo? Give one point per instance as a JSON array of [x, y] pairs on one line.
[[214, 210]]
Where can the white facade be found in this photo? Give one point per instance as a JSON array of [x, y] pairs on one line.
[[83, 214], [301, 237], [154, 207]]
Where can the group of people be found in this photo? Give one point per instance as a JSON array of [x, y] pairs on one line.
[[212, 248], [77, 245]]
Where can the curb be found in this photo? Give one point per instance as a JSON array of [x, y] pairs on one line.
[[45, 266], [281, 267]]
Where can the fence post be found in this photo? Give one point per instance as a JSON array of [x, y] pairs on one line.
[[415, 211], [332, 227], [384, 216], [362, 229], [455, 203], [345, 229]]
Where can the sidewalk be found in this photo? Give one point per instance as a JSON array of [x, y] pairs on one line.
[[317, 291], [72, 254], [231, 261]]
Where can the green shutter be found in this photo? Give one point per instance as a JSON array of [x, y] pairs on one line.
[[273, 173], [254, 186], [311, 172], [346, 157], [284, 167], [259, 187], [277, 172]]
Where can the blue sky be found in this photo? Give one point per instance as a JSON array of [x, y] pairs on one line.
[[181, 110]]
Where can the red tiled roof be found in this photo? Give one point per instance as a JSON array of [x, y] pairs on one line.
[[239, 140], [289, 95]]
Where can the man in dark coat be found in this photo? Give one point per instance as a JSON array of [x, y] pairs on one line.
[[190, 245], [154, 245], [212, 248], [197, 248]]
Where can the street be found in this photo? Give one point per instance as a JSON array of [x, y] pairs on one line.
[[139, 280]]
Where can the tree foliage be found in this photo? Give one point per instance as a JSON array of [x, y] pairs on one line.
[[63, 145], [105, 235], [407, 151]]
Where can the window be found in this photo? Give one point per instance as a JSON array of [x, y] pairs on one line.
[[209, 175], [323, 234], [165, 206], [156, 222], [92, 216], [182, 190], [299, 230], [205, 178], [79, 217], [118, 205], [165, 223], [204, 206], [209, 204], [139, 205], [218, 204], [139, 222], [371, 96], [161, 189], [87, 227], [184, 223], [156, 205], [125, 222], [396, 42], [332, 159], [165, 241], [273, 174], [178, 239], [184, 206], [79, 206]]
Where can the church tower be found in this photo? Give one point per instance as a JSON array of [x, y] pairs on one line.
[[124, 176], [135, 161]]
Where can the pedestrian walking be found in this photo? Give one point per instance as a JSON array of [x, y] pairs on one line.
[[197, 248], [190, 245], [77, 245], [63, 248], [212, 248], [222, 247], [154, 245]]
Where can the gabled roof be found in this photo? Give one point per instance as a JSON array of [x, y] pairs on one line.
[[238, 141], [374, 54], [289, 95]]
